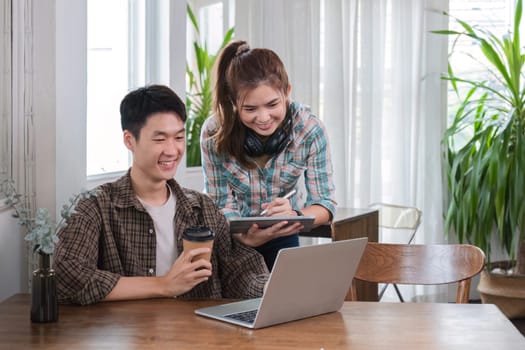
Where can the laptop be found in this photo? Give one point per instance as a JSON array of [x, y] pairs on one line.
[[306, 281]]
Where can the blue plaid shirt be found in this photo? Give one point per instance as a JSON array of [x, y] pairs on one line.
[[238, 191]]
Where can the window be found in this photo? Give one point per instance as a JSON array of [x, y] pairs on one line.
[[494, 15], [204, 39], [107, 82], [210, 17], [127, 48]]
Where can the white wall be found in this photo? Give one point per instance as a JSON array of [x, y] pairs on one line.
[[13, 271], [44, 107], [69, 63], [13, 257]]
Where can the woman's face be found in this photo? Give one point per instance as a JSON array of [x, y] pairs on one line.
[[263, 109]]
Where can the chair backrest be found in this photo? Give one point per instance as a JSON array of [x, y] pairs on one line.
[[421, 264], [393, 216]]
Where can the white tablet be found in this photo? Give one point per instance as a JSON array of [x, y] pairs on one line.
[[241, 225]]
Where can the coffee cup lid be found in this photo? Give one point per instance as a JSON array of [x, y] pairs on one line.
[[198, 233]]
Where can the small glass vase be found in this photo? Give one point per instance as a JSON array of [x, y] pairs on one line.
[[44, 301]]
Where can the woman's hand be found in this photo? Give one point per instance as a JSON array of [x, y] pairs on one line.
[[258, 236], [278, 207]]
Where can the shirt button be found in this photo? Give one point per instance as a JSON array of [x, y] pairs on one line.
[[151, 271], [151, 231]]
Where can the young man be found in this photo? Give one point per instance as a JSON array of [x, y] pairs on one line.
[[126, 242]]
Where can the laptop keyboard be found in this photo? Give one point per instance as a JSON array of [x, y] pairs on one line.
[[245, 316]]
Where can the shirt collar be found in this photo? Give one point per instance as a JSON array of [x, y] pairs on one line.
[[126, 196]]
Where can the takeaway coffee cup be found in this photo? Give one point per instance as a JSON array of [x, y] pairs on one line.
[[198, 237]]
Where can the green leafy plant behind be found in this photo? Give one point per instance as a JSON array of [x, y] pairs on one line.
[[41, 229], [199, 95], [484, 147]]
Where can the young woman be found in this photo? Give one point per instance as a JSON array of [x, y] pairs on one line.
[[260, 145]]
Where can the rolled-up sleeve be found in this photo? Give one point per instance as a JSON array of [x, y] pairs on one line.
[[319, 173], [244, 271], [215, 182], [79, 280]]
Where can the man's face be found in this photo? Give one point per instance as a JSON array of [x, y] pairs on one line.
[[158, 151]]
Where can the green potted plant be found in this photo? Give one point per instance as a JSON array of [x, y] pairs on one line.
[[484, 153], [42, 234], [199, 93]]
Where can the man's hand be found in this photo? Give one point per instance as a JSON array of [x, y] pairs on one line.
[[185, 274]]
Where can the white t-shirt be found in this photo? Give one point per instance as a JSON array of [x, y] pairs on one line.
[[163, 217]]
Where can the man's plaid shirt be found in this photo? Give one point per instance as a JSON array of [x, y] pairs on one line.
[[111, 235]]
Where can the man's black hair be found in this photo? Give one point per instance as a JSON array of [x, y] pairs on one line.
[[138, 105]]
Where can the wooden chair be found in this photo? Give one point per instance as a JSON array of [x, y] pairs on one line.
[[401, 219], [420, 264]]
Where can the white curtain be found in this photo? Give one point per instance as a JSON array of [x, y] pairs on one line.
[[291, 28], [380, 94], [384, 104]]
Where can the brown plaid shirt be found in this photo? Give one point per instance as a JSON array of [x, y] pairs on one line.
[[111, 235]]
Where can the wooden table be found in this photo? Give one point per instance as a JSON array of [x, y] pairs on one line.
[[171, 324], [353, 223]]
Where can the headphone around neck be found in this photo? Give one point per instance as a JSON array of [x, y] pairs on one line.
[[275, 143]]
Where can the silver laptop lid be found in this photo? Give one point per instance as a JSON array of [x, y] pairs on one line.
[[305, 281], [309, 280]]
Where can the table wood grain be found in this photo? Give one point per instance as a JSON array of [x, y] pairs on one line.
[[171, 324]]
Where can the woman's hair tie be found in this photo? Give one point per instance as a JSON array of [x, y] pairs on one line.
[[242, 49]]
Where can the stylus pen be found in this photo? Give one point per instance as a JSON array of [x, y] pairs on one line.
[[286, 196]]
